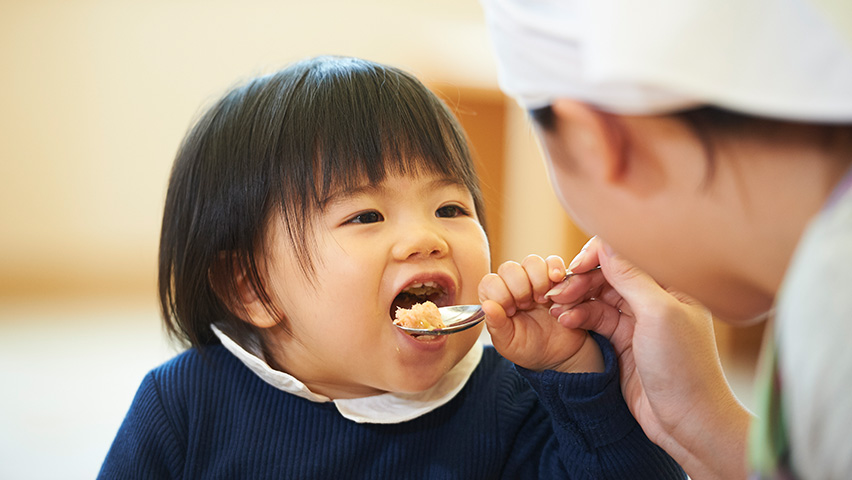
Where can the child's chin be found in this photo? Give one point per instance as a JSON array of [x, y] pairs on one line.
[[418, 384], [421, 379]]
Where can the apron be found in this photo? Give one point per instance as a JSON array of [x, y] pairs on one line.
[[769, 442]]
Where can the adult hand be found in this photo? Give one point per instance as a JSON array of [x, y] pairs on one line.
[[521, 326], [670, 371]]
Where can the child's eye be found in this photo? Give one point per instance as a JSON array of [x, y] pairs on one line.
[[451, 211], [371, 216]]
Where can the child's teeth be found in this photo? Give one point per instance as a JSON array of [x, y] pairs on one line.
[[427, 338], [422, 285]]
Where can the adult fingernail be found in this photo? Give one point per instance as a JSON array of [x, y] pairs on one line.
[[557, 310], [559, 288], [564, 317], [576, 260]]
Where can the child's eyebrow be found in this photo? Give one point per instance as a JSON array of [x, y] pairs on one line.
[[343, 195], [447, 182], [372, 188]]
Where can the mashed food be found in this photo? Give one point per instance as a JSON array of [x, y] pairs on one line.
[[423, 316]]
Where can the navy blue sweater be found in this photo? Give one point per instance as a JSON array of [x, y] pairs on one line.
[[207, 416]]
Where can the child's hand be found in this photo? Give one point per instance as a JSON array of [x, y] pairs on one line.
[[521, 326]]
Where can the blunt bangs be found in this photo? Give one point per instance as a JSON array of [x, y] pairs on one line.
[[355, 122]]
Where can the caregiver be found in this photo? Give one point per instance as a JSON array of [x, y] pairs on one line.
[[707, 145]]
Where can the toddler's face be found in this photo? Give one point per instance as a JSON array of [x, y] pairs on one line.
[[372, 244]]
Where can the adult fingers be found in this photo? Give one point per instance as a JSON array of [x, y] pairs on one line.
[[577, 288], [634, 289], [593, 315], [586, 259]]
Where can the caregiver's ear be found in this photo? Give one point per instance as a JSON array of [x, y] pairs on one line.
[[594, 142]]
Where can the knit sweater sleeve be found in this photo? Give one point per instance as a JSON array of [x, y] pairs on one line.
[[146, 445], [596, 435]]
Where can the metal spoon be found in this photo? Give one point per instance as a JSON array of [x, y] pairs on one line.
[[457, 318]]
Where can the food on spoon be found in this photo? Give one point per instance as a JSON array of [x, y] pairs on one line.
[[422, 316]]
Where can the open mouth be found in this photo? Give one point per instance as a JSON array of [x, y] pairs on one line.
[[419, 293]]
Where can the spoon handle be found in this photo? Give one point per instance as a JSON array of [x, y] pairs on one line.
[[572, 274]]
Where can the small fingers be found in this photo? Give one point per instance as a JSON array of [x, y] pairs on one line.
[[496, 319], [518, 283], [537, 270], [520, 286], [500, 327], [555, 268], [493, 288]]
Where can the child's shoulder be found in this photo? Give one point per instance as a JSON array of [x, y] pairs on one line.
[[192, 359], [196, 367]]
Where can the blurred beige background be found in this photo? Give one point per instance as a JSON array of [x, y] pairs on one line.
[[94, 98], [97, 95]]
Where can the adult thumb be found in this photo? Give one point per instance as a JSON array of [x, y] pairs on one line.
[[637, 288]]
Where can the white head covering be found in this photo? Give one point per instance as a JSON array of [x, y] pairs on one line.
[[788, 59]]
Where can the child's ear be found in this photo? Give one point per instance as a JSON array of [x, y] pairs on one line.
[[231, 283], [594, 142]]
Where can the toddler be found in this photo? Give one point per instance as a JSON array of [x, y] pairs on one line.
[[303, 209]]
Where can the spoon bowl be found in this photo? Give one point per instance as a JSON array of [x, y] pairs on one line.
[[455, 318]]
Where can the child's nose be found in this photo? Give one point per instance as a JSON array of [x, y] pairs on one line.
[[422, 242]]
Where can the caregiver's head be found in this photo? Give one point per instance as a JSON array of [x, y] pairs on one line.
[[695, 137]]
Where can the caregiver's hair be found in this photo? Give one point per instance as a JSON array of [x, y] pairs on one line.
[[712, 125], [276, 149]]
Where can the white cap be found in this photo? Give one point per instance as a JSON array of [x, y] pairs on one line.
[[789, 59]]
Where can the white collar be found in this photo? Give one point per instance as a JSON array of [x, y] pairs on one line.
[[385, 408]]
